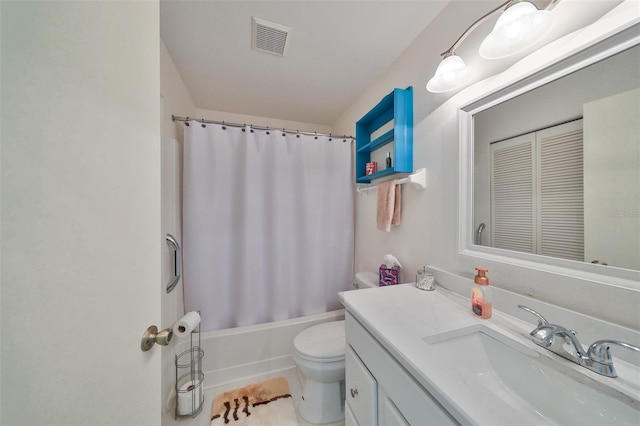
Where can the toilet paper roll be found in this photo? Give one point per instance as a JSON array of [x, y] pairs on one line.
[[190, 397], [186, 324]]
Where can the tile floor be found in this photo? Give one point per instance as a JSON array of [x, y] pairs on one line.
[[290, 374]]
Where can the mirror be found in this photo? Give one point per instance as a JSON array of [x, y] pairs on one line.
[[559, 174], [553, 163]]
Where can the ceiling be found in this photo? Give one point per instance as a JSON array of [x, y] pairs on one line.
[[336, 49]]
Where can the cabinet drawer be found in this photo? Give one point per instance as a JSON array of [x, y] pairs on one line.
[[361, 393]]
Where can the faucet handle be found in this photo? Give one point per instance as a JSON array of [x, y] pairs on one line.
[[599, 351], [599, 357], [541, 320]]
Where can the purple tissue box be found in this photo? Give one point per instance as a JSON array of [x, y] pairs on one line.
[[389, 276]]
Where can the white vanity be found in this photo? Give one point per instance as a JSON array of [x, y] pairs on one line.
[[419, 358]]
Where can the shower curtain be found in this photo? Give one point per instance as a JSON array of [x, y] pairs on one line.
[[268, 224]]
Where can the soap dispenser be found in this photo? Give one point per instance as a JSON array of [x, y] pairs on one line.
[[481, 294]]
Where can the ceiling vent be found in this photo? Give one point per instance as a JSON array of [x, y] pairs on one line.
[[269, 37]]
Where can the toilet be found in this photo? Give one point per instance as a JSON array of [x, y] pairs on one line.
[[318, 352]]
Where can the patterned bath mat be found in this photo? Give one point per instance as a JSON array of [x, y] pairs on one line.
[[264, 403]]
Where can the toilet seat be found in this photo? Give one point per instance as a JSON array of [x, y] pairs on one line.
[[321, 343]]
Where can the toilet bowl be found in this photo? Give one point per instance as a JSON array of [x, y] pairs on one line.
[[318, 352]]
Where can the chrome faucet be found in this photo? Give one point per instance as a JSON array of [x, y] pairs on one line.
[[564, 342], [479, 234]]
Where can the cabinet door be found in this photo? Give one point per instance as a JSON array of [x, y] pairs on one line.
[[349, 417], [388, 413], [360, 389]]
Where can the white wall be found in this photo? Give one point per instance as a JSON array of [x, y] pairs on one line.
[[80, 212], [428, 233], [177, 99]]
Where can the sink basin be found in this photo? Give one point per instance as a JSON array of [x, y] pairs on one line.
[[496, 370]]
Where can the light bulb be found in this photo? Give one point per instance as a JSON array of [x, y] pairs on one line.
[[451, 74], [519, 27]]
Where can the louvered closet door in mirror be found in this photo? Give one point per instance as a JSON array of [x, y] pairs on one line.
[[537, 192], [513, 200], [561, 188]]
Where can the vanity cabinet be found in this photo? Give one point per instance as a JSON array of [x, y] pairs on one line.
[[387, 128], [379, 390]]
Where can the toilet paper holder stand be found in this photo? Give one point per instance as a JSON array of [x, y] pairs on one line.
[[190, 379]]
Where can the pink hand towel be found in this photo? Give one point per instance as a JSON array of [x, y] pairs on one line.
[[389, 205], [397, 206]]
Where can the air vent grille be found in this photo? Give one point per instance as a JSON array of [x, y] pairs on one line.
[[269, 37]]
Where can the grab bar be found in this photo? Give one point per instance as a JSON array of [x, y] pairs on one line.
[[177, 262]]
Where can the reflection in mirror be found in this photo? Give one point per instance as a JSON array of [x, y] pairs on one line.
[[557, 169]]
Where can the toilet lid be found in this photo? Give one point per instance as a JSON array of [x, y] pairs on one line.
[[322, 341]]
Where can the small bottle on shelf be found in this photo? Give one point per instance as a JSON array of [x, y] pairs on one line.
[[388, 160]]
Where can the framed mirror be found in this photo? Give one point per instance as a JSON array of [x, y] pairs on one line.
[[550, 165]]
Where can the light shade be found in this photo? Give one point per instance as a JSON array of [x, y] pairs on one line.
[[519, 27], [451, 74]]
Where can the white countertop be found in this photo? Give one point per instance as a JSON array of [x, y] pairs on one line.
[[400, 316]]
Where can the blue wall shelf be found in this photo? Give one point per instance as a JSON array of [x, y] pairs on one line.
[[396, 106]]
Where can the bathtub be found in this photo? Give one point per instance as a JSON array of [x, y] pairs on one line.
[[241, 352]]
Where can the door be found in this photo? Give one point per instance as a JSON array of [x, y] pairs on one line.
[[611, 176], [537, 192], [81, 237]]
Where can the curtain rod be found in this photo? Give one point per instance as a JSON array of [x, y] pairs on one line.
[[224, 123]]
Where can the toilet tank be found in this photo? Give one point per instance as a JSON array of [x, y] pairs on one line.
[[365, 280]]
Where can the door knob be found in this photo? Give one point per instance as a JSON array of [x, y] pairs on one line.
[[151, 336]]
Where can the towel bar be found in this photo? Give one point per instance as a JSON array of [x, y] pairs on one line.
[[418, 179]]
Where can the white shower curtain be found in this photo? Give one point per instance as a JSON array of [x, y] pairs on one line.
[[268, 229]]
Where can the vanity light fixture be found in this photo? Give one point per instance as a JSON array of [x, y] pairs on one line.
[[519, 27], [451, 74]]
